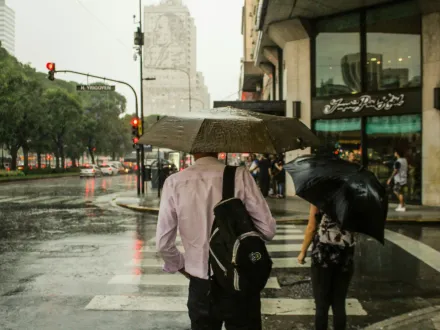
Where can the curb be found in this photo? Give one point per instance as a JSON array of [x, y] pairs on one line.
[[155, 210], [47, 177], [406, 319]]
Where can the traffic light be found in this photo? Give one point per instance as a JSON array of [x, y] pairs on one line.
[[51, 67], [135, 130]]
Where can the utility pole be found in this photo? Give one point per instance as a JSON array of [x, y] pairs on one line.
[[140, 41]]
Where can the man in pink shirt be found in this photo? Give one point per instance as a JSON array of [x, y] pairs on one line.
[[187, 207]]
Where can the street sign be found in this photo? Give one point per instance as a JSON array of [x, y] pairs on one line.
[[95, 88], [148, 148]]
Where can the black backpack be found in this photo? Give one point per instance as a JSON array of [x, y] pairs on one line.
[[238, 255]]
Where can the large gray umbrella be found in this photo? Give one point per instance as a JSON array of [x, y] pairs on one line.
[[227, 130]]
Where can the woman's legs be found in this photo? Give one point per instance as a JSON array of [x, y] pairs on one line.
[[322, 285], [341, 281]]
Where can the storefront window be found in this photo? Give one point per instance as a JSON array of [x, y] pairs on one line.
[[393, 46], [385, 134], [341, 137], [338, 56]]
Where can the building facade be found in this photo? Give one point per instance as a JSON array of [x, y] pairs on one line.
[[7, 27], [170, 56], [365, 74]]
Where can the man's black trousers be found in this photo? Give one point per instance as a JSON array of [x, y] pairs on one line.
[[237, 311]]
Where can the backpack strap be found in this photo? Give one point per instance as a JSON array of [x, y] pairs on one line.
[[229, 182]]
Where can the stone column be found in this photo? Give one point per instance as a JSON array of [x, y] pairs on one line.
[[431, 116], [298, 88], [293, 36]]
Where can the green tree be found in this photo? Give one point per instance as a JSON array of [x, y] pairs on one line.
[[64, 113], [20, 95], [102, 111]]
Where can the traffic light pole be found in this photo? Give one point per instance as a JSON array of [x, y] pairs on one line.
[[141, 61], [137, 114]]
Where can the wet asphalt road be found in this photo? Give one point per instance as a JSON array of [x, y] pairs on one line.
[[69, 259]]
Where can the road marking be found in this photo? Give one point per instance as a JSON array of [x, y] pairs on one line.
[[289, 262], [178, 304], [270, 248], [76, 201], [286, 226], [418, 249], [56, 200], [278, 237], [283, 237], [32, 200], [11, 199], [169, 280], [288, 231]]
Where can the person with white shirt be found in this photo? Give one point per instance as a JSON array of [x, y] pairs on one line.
[[400, 177], [187, 206]]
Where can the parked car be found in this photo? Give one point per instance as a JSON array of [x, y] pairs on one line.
[[90, 171], [109, 169]]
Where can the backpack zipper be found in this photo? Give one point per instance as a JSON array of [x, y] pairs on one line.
[[215, 257]]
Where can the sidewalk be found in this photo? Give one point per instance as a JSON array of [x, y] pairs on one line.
[[290, 209], [423, 319]]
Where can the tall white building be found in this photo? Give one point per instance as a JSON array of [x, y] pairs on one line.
[[7, 27], [170, 57]]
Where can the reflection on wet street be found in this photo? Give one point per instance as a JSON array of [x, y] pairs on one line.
[[70, 259]]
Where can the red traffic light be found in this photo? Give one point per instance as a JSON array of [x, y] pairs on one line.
[[135, 140], [135, 122], [50, 66]]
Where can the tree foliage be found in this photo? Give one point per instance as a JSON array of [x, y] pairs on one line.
[[37, 115]]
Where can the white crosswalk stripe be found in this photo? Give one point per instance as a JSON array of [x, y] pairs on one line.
[[269, 306], [270, 248], [290, 262], [11, 199], [168, 279], [150, 265]]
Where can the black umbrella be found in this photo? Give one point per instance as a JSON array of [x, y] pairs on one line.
[[345, 191]]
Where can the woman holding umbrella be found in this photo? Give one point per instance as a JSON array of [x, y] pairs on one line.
[[332, 267]]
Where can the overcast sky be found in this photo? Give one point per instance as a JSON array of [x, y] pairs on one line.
[[96, 37]]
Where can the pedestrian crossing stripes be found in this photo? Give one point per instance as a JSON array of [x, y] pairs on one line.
[[269, 306], [162, 292], [290, 262], [169, 280], [278, 237], [270, 248]]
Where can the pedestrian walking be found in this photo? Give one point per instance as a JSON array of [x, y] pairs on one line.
[[332, 267], [280, 178], [254, 168], [400, 178], [188, 200], [265, 173]]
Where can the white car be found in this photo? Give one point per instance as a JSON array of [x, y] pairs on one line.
[[109, 169], [91, 170]]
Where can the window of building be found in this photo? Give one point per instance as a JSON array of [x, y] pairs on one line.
[[393, 46], [404, 133], [338, 56], [340, 137]]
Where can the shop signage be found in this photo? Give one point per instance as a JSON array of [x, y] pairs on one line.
[[386, 102]]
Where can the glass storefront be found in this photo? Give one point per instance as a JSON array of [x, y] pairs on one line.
[[372, 50], [393, 47], [340, 136], [383, 135], [336, 73]]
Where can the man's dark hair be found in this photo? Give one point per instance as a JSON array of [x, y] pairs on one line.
[[399, 151]]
